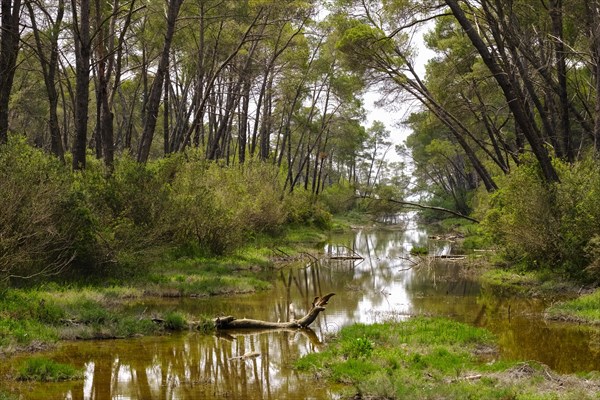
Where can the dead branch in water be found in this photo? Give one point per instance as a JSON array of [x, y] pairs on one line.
[[231, 322], [426, 207]]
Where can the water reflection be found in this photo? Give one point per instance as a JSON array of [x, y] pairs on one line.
[[384, 285]]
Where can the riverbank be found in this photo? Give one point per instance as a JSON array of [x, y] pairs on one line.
[[35, 318], [583, 309], [432, 358], [571, 301]]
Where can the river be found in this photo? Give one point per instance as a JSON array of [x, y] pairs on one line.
[[385, 285]]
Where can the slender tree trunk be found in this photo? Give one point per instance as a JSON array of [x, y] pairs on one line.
[[243, 121], [556, 10], [592, 9], [166, 146], [81, 28], [265, 133], [157, 85]]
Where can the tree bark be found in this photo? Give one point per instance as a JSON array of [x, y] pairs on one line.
[[556, 11], [49, 69]]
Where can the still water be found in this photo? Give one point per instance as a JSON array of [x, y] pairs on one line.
[[385, 285]]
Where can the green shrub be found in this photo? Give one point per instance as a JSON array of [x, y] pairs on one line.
[[540, 225], [39, 234], [218, 206], [339, 198], [303, 208], [42, 369], [127, 208]]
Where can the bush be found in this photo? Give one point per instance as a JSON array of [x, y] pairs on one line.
[[218, 207], [40, 229], [539, 225], [303, 208], [339, 198], [127, 207]]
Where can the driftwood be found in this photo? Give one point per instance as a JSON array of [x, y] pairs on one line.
[[231, 322]]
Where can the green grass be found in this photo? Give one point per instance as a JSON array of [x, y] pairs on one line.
[[425, 358], [41, 369], [419, 251], [585, 308]]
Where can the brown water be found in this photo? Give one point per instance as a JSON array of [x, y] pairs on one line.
[[385, 285]]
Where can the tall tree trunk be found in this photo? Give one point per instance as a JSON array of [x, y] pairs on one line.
[[507, 85], [243, 121], [81, 28], [157, 85], [9, 49], [265, 131], [592, 9]]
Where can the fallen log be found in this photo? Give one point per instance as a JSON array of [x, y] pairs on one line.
[[230, 322]]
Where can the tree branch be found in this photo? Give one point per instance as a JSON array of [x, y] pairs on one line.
[[422, 206]]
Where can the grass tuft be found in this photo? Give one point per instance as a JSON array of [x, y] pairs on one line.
[[175, 321], [41, 369]]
